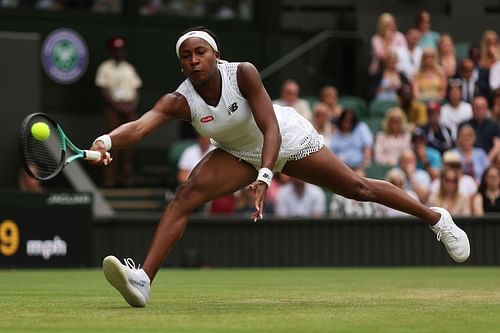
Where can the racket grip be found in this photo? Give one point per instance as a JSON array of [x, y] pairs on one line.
[[92, 155]]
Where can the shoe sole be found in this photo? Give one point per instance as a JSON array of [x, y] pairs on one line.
[[116, 276]]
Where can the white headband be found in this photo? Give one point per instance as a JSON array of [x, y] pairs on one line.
[[196, 34]]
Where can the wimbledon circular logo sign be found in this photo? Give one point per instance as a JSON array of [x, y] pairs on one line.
[[64, 56]]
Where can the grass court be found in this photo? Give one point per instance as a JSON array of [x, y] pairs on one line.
[[455, 299]]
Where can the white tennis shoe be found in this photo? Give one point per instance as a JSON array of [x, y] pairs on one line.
[[133, 283], [454, 239]]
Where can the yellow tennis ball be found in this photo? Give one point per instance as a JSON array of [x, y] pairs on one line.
[[40, 131]]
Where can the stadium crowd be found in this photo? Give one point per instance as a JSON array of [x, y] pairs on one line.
[[431, 126]]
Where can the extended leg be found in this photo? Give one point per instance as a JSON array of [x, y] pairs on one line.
[[324, 169]]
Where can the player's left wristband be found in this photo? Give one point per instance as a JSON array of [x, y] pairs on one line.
[[106, 139], [266, 176]]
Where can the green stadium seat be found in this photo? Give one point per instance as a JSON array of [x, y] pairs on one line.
[[377, 171], [374, 123], [355, 103], [379, 108], [174, 154], [462, 49], [311, 100]]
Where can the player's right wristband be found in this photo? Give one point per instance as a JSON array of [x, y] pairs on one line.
[[266, 176], [106, 139]]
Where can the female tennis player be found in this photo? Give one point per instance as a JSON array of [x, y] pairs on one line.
[[227, 102]]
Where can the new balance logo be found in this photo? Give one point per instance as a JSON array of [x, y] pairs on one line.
[[137, 283], [231, 108]]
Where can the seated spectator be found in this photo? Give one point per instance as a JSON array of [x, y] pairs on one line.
[[415, 111], [386, 82], [467, 77], [297, 198], [428, 38], [353, 141], [455, 111], [428, 158], [489, 49], [191, 156], [466, 184], [290, 96], [328, 95], [429, 83], [386, 39], [438, 135], [416, 180], [448, 195], [474, 160], [487, 198], [321, 121], [487, 131], [393, 139], [409, 58], [447, 55], [397, 177], [343, 207]]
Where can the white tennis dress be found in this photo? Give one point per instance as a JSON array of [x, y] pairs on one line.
[[232, 127]]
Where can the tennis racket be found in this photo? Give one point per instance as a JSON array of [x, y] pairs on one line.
[[46, 152]]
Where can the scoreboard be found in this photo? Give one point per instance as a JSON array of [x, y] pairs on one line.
[[45, 229]]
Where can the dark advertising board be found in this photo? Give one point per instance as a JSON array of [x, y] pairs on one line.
[[45, 229]]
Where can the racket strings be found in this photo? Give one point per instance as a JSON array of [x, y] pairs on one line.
[[43, 158]]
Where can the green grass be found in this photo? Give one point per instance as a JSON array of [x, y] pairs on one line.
[[257, 300]]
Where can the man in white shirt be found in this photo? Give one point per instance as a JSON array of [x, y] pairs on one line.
[[297, 198], [409, 58], [290, 96]]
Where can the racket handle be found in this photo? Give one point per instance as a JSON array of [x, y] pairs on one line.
[[92, 155]]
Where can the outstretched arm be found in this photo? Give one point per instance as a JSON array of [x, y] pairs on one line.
[[170, 106]]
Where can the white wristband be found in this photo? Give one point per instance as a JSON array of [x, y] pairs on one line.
[[106, 139], [266, 176]]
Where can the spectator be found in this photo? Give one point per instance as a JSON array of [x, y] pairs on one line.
[[429, 84], [386, 39], [328, 95], [468, 80], [409, 58], [415, 111], [397, 177], [487, 131], [449, 196], [494, 78], [387, 81], [455, 111], [191, 156], [428, 38], [416, 180], [393, 139], [474, 55], [466, 184], [279, 179], [428, 159], [438, 135], [353, 141], [321, 121], [474, 160], [290, 96], [489, 49], [447, 55], [119, 83], [349, 208], [297, 198], [487, 198]]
